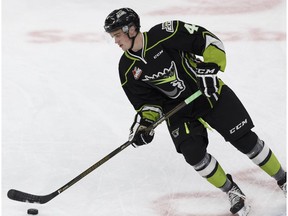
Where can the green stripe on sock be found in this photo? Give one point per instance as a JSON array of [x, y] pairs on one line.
[[218, 179], [272, 166]]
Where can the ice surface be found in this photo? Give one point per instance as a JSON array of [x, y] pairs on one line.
[[63, 109]]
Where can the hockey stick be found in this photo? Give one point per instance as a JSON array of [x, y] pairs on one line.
[[26, 197]]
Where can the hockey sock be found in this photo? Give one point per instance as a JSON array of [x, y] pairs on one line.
[[210, 169], [262, 156]]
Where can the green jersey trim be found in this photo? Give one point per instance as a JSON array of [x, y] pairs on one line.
[[126, 80]]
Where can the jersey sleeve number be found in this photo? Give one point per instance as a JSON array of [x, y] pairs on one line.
[[191, 28]]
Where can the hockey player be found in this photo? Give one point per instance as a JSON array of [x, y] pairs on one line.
[[164, 66]]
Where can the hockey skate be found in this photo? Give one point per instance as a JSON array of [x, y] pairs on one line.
[[237, 200], [283, 185], [283, 188]]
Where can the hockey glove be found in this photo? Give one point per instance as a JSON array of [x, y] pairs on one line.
[[208, 82], [138, 134]]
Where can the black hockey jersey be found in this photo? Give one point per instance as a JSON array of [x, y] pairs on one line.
[[163, 73]]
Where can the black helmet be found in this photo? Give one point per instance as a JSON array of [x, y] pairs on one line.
[[120, 18]]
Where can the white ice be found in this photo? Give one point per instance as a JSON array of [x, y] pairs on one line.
[[63, 109]]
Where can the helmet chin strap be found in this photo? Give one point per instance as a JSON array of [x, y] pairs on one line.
[[126, 30], [133, 40]]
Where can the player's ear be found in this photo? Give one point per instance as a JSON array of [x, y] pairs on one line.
[[132, 31]]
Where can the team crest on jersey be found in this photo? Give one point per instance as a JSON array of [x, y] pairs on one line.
[[137, 73], [168, 26], [167, 81]]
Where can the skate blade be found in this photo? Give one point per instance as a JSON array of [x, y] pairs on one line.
[[244, 211]]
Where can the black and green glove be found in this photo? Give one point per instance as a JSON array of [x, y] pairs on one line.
[[138, 134], [207, 79], [143, 119]]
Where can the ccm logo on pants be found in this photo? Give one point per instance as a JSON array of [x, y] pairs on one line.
[[240, 125]]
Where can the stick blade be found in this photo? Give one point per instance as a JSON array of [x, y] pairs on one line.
[[30, 198]]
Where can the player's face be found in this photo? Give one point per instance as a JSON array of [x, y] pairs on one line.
[[121, 39]]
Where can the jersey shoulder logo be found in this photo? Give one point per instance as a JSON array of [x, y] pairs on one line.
[[168, 26]]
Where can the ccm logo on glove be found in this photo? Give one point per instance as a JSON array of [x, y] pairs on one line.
[[206, 71]]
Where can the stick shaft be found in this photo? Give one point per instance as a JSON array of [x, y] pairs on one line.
[[125, 145]]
